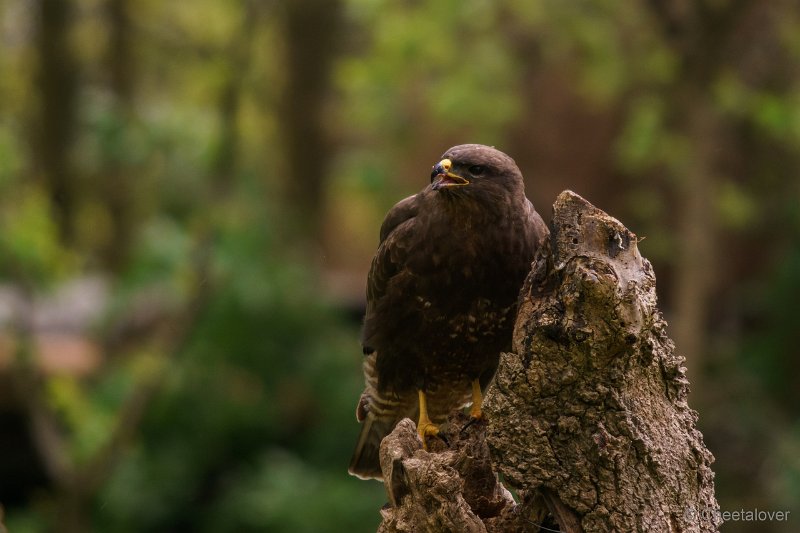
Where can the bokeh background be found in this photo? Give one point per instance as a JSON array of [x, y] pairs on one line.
[[190, 195]]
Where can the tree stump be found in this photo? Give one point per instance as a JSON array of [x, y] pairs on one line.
[[587, 418], [590, 410]]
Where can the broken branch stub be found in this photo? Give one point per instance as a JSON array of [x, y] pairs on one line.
[[589, 412]]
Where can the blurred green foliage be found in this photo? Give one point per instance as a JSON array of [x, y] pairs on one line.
[[247, 431], [178, 174]]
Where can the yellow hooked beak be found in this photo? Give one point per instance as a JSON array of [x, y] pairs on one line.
[[444, 177]]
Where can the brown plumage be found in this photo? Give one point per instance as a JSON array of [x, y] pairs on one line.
[[442, 294]]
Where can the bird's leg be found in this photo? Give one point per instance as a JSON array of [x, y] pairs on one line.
[[477, 400], [475, 412], [425, 427]]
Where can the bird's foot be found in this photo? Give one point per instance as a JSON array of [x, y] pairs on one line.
[[426, 429], [475, 412]]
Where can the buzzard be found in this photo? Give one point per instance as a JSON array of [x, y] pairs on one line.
[[442, 295]]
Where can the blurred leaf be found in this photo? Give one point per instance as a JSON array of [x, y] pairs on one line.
[[638, 146], [29, 243], [11, 158], [281, 492], [89, 424], [735, 207]]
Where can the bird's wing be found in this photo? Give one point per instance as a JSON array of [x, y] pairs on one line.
[[392, 250], [402, 211]]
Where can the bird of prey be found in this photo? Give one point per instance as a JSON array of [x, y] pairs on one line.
[[442, 295]]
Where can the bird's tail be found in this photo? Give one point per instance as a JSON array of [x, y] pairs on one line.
[[366, 462]]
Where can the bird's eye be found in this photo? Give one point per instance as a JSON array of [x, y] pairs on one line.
[[477, 170]]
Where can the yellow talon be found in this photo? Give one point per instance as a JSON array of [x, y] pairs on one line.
[[477, 400], [425, 427]]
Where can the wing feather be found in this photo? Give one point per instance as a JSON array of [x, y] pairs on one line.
[[392, 250]]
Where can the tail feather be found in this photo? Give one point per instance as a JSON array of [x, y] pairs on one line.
[[366, 462]]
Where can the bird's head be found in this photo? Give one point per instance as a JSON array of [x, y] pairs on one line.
[[475, 169]]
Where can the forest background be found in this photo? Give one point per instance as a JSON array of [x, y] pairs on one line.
[[190, 195]]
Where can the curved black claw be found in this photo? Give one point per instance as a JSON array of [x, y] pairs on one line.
[[473, 420]]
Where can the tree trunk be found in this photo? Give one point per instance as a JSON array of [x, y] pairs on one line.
[[588, 418], [226, 158], [308, 85], [696, 257], [119, 184], [54, 128], [697, 35]]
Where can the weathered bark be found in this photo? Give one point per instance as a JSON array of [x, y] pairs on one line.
[[452, 488], [588, 418], [591, 408]]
